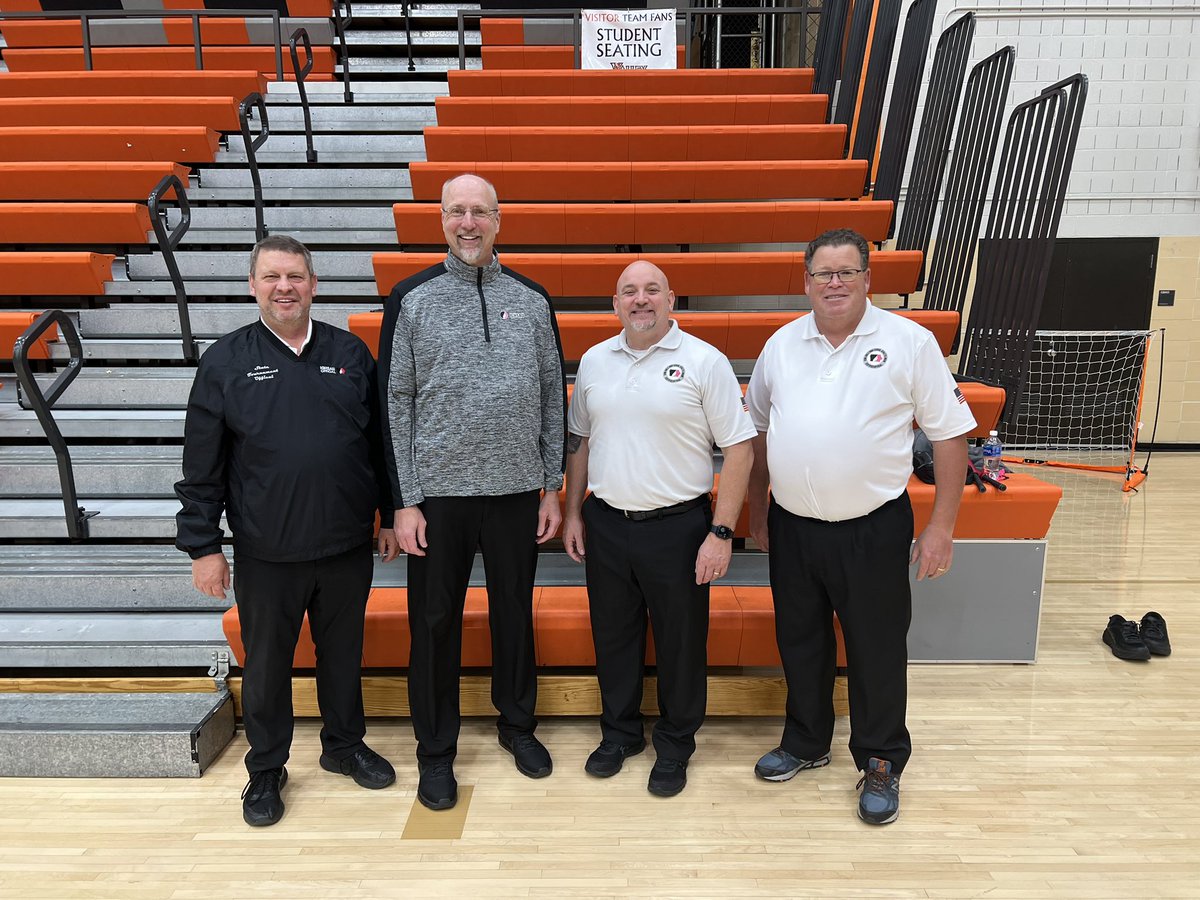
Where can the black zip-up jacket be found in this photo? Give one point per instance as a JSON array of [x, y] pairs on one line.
[[287, 446]]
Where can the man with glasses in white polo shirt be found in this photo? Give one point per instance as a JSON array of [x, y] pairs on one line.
[[833, 398], [648, 406]]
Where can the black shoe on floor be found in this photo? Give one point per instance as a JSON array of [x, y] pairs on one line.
[[1122, 635], [879, 802], [436, 788], [365, 766], [607, 759], [668, 777], [261, 803], [532, 758], [1154, 634]]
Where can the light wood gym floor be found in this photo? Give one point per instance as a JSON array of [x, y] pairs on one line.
[[1077, 777]]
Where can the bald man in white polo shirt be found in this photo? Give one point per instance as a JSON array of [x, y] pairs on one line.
[[648, 406], [833, 398]]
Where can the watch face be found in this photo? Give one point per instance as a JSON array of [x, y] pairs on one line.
[[724, 532]]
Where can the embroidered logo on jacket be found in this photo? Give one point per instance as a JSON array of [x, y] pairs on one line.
[[262, 373], [332, 370]]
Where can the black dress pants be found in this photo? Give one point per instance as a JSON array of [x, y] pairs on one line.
[[635, 567], [504, 529], [272, 598], [857, 568]]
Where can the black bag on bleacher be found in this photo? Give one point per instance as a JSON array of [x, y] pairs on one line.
[[923, 463]]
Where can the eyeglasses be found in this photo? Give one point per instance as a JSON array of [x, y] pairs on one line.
[[477, 212], [845, 276]]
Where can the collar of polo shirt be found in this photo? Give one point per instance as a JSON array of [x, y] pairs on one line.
[[868, 324], [669, 341]]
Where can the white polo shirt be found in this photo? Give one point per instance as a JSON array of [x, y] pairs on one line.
[[839, 421], [651, 418]]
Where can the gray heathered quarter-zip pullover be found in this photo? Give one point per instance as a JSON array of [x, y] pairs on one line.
[[472, 373]]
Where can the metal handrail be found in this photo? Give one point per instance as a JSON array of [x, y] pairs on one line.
[[255, 100], [168, 241], [339, 25], [42, 401], [86, 16], [405, 10], [301, 34]]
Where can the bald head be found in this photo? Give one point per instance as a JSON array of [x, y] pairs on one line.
[[643, 303], [470, 184]]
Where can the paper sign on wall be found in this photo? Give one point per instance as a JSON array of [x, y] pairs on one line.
[[628, 39]]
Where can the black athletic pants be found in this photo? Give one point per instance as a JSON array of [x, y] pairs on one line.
[[857, 568], [272, 599], [635, 567], [504, 529]]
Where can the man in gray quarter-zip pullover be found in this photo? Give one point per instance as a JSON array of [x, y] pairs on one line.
[[472, 382]]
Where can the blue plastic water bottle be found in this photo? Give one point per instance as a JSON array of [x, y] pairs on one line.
[[992, 451]]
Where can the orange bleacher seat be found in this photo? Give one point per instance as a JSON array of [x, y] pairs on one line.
[[54, 274], [219, 113], [654, 82], [13, 325], [554, 224], [711, 180], [74, 223], [210, 82], [712, 109], [741, 630], [154, 59], [635, 143], [541, 58], [84, 180], [691, 274], [739, 335], [128, 143]]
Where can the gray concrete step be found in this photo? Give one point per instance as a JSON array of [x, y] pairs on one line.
[[227, 265], [208, 319], [381, 91], [94, 425], [133, 471], [364, 116], [74, 639], [331, 289], [117, 518], [100, 578], [317, 218], [135, 735], [421, 39], [342, 178], [367, 145]]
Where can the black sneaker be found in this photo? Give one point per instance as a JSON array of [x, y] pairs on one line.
[[1154, 634], [779, 765], [1122, 635], [607, 759], [365, 766], [436, 788], [261, 803], [879, 802], [532, 758], [668, 777]]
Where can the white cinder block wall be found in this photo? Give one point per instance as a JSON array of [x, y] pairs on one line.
[[1137, 166]]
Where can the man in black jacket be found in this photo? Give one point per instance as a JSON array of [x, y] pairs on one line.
[[282, 435]]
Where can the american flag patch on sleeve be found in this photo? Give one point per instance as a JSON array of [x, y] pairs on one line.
[[959, 396], [745, 407]]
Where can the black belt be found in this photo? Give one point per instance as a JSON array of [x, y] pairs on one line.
[[641, 515]]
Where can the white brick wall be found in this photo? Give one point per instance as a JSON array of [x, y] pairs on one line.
[[1137, 165]]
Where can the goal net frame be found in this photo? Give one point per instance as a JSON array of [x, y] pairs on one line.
[[1080, 411]]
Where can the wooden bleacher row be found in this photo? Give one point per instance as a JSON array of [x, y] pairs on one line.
[[836, 179], [564, 143], [655, 82], [733, 274], [708, 109], [555, 224]]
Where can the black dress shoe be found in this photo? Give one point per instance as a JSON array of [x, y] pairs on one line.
[[607, 759], [668, 777], [532, 758], [436, 788], [261, 803], [365, 766], [1122, 635], [1154, 634]]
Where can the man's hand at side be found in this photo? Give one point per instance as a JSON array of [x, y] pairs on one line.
[[389, 544], [210, 575], [549, 517], [410, 530]]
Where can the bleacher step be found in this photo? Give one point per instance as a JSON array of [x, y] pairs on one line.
[[208, 320], [331, 289], [225, 265], [366, 145], [135, 735], [117, 518], [80, 639], [306, 176], [418, 91], [99, 471], [85, 425]]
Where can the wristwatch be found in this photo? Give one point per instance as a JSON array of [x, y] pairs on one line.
[[724, 532]]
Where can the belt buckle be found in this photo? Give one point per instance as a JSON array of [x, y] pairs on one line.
[[627, 514]]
